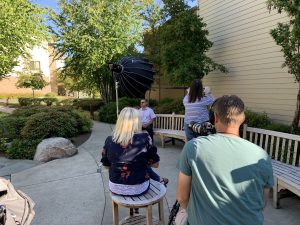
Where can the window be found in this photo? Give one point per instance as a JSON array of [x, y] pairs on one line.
[[35, 65]]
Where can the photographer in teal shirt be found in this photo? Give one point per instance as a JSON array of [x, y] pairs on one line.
[[224, 179]]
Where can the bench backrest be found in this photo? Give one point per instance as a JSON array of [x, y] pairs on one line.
[[169, 121], [280, 146]]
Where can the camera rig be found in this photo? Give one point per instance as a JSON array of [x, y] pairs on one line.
[[202, 129]]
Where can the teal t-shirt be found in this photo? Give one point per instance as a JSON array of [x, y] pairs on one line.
[[228, 177]]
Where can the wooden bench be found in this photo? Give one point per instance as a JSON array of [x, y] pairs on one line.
[[169, 125], [284, 150], [154, 195]]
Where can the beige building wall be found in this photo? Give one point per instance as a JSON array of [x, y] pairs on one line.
[[240, 31], [43, 54]]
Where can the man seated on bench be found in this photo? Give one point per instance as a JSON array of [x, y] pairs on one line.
[[129, 154]]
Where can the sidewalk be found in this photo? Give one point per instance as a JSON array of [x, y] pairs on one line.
[[70, 191]]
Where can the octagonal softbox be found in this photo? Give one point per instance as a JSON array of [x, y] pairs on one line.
[[135, 76]]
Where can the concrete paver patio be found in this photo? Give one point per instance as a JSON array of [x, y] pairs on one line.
[[70, 191]]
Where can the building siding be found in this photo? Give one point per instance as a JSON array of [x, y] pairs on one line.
[[240, 31]]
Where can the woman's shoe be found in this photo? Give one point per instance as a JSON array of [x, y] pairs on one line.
[[164, 181]]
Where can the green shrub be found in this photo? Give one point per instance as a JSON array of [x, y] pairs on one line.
[[36, 101], [84, 122], [165, 101], [25, 101], [255, 119], [50, 95], [88, 104], [67, 102], [49, 101], [108, 113], [11, 126], [22, 149], [52, 124], [2, 114], [278, 127], [3, 145], [175, 106]]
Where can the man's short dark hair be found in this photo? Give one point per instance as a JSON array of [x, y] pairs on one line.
[[229, 109]]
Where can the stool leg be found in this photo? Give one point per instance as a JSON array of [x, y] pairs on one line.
[[161, 211], [115, 213], [149, 215]]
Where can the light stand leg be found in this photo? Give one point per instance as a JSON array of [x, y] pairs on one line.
[[117, 98]]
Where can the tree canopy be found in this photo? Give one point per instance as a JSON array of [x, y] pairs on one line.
[[180, 45], [21, 27], [90, 33], [287, 35]]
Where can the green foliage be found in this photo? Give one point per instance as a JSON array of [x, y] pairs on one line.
[[88, 104], [53, 124], [22, 27], [34, 81], [36, 101], [278, 127], [91, 33], [169, 107], [11, 126], [255, 119], [51, 95], [108, 113], [3, 144], [2, 114], [180, 44], [287, 35], [84, 122], [28, 125], [22, 149], [166, 101]]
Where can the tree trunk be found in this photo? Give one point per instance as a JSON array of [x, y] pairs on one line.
[[297, 113], [33, 93]]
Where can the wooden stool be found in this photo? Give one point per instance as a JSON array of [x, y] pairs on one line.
[[154, 195]]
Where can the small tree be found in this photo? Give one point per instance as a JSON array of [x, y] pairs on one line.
[[287, 35], [34, 81], [21, 27]]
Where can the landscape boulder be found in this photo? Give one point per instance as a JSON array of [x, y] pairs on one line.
[[54, 148]]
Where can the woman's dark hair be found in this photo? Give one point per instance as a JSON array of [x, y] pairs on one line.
[[196, 91]]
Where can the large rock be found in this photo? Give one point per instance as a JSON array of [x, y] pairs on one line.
[[54, 148]]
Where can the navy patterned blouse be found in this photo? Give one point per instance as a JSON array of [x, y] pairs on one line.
[[129, 165]]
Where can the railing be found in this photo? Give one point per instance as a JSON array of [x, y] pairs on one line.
[[169, 121], [280, 146]]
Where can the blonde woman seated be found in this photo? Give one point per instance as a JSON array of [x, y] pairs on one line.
[[129, 153]]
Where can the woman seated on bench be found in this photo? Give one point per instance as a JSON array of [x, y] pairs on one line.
[[129, 154]]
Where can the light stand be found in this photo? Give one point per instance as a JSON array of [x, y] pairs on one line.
[[116, 68]]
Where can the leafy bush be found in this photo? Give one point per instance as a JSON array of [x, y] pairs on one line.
[[11, 126], [108, 113], [166, 101], [170, 107], [36, 101], [25, 101], [3, 145], [278, 127], [88, 104], [52, 124], [50, 95], [22, 149], [67, 102], [255, 119], [84, 122]]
